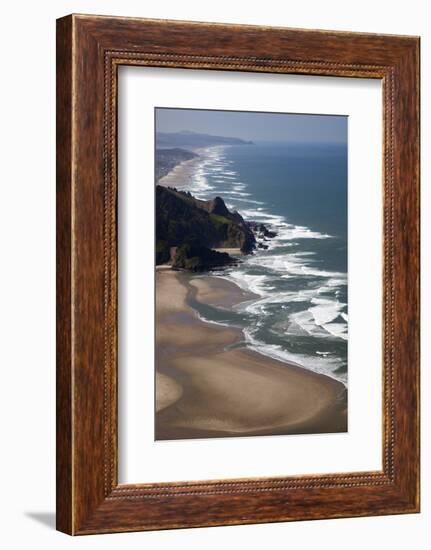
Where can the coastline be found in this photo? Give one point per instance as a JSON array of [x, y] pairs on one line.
[[209, 384], [180, 174]]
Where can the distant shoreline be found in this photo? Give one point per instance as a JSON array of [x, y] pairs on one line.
[[179, 175], [198, 362]]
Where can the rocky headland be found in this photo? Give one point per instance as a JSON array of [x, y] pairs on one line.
[[189, 231]]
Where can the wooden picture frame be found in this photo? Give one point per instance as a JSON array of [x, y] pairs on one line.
[[89, 51]]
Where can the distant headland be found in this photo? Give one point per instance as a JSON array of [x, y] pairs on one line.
[[194, 140]]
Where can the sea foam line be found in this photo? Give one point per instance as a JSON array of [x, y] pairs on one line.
[[294, 265], [325, 365]]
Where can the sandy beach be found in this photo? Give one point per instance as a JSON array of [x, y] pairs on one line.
[[181, 174], [209, 384]]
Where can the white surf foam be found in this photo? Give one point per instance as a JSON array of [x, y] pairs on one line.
[[322, 316], [251, 283], [318, 320], [327, 365]]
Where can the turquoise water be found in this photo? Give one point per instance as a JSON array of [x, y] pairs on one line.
[[300, 192]]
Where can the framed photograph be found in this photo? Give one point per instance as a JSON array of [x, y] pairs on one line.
[[237, 274]]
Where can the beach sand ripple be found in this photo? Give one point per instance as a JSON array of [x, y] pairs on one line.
[[204, 388]]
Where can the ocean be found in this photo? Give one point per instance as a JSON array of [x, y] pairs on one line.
[[300, 192]]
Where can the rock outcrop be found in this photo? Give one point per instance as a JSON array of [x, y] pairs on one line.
[[189, 229], [195, 227]]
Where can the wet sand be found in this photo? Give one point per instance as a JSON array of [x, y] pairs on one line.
[[218, 292], [180, 176], [209, 384]]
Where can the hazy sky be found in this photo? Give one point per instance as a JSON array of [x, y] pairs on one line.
[[255, 126]]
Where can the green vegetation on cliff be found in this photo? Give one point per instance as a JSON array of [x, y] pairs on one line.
[[188, 228]]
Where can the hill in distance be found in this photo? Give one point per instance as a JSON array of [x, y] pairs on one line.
[[187, 139]]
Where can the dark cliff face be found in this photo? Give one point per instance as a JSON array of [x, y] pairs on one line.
[[234, 231], [193, 256], [193, 227]]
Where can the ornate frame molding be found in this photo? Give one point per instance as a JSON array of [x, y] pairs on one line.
[[90, 49]]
